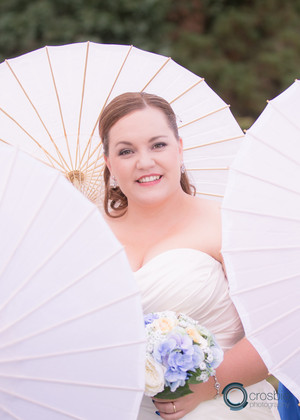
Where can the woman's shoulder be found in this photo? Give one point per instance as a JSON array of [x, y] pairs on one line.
[[206, 208], [205, 225]]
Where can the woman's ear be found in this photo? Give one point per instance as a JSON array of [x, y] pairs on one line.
[[106, 160], [180, 146]]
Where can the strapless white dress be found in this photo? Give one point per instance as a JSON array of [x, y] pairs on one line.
[[189, 281]]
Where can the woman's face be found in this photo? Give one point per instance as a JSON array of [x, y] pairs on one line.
[[145, 156]]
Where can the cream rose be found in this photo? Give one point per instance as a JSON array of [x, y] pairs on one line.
[[154, 376], [165, 325], [196, 337]]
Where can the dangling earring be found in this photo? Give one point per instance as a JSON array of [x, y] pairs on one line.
[[114, 182], [182, 168]]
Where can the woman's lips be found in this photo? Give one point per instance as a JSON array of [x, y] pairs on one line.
[[149, 179]]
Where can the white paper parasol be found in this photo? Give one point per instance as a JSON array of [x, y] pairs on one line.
[[71, 324], [261, 236], [51, 100]]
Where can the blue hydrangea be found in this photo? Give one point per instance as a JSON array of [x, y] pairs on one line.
[[149, 318], [172, 346], [179, 355]]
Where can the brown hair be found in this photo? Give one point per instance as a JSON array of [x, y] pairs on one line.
[[119, 107]]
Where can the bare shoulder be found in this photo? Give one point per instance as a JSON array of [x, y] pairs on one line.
[[206, 221], [210, 209]]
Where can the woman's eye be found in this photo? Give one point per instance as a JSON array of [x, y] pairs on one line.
[[159, 145], [124, 152]]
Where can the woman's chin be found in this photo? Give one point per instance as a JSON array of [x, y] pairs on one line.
[[150, 198]]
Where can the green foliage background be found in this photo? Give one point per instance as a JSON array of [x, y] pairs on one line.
[[247, 50]]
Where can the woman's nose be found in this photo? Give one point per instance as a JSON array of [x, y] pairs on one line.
[[144, 161]]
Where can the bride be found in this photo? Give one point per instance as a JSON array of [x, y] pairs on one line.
[[173, 241]]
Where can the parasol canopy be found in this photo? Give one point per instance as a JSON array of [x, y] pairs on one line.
[[261, 236]]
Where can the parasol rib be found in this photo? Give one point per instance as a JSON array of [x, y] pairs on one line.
[[187, 90], [286, 359], [31, 222], [260, 286], [241, 250], [96, 192], [204, 116], [283, 187], [61, 291], [72, 352], [81, 384], [273, 321], [211, 143], [59, 107], [8, 175], [291, 122], [209, 194], [39, 117], [48, 155], [92, 185], [28, 400], [89, 167], [208, 169], [270, 146], [11, 414], [254, 213], [155, 74], [70, 320], [49, 256], [105, 102], [77, 155]]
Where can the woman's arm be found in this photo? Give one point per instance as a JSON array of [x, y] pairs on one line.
[[241, 364]]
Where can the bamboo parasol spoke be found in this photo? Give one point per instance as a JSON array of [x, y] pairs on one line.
[[209, 194], [77, 156], [73, 100], [204, 116], [104, 105], [156, 74], [224, 168], [63, 162], [212, 143], [187, 90], [47, 154], [59, 106]]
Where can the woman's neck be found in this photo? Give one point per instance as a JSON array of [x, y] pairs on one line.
[[164, 212]]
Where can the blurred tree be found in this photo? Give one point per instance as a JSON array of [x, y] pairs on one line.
[[248, 50], [26, 25]]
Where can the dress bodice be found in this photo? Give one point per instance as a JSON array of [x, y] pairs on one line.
[[191, 281]]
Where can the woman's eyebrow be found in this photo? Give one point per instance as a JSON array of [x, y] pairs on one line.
[[123, 142], [128, 143], [157, 137]]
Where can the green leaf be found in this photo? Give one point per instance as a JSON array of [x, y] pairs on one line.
[[167, 394], [194, 375]]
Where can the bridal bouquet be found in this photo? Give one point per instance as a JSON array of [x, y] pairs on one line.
[[179, 352]]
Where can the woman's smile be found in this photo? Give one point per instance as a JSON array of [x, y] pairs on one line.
[[147, 180]]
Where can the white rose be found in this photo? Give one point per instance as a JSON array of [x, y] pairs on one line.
[[154, 376]]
